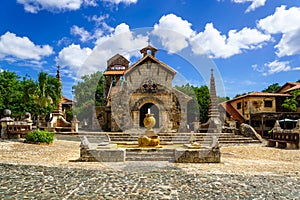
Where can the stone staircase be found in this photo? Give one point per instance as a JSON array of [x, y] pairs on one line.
[[166, 138], [182, 138]]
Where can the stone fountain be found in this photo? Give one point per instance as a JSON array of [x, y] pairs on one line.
[[149, 149], [150, 138]]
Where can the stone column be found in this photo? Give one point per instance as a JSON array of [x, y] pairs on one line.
[[4, 121], [74, 124], [136, 119]]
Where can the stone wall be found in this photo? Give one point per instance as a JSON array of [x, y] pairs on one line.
[[149, 70], [103, 155]]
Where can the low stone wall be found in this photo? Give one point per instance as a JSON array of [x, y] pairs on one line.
[[11, 129], [202, 155], [102, 155]]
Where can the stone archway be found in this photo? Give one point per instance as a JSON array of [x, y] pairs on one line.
[[153, 110]]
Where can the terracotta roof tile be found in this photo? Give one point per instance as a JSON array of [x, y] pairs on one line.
[[121, 72], [155, 60], [290, 84], [261, 94], [293, 88], [66, 100], [267, 94]]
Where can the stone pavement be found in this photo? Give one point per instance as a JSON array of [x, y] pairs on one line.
[[140, 182]]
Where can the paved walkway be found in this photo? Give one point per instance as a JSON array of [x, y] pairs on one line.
[[140, 182]]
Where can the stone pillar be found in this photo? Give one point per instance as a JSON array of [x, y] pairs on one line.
[[4, 121], [277, 127], [136, 119], [297, 128], [196, 125], [164, 119], [74, 124], [28, 119]]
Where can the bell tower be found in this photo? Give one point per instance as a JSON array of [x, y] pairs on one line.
[[148, 50], [116, 66]]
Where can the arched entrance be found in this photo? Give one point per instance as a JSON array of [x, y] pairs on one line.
[[153, 110]]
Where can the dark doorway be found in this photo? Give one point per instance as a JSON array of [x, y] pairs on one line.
[[153, 110]]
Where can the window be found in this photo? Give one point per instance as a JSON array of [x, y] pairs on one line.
[[239, 105], [117, 67], [268, 103]]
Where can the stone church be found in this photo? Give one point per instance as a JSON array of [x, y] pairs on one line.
[[130, 92]]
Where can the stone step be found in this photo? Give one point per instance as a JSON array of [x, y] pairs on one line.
[[136, 158], [183, 138], [149, 154], [175, 138], [173, 135]]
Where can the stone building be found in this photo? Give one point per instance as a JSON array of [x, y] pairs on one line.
[[145, 86], [261, 109]]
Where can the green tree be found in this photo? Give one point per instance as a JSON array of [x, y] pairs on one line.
[[187, 89], [201, 96], [203, 100], [222, 99], [10, 92], [27, 103], [291, 103], [88, 93], [46, 94], [25, 95], [272, 88]]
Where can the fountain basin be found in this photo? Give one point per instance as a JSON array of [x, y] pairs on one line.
[[149, 141], [133, 152]]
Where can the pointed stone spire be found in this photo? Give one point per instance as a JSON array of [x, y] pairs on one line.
[[59, 109], [58, 73], [213, 106]]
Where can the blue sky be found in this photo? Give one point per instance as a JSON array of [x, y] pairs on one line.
[[253, 43]]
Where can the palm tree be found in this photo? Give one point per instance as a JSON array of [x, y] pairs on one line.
[[47, 94]]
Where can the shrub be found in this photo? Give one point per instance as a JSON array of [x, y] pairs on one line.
[[38, 136]]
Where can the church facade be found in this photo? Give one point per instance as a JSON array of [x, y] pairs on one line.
[[130, 92]]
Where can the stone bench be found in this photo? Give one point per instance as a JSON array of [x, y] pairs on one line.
[[18, 130], [283, 140]]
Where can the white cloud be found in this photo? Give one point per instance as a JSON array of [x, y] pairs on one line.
[[34, 6], [277, 66], [221, 46], [99, 22], [289, 44], [286, 22], [82, 61], [255, 4], [247, 38], [100, 28], [14, 48], [282, 21], [174, 32], [126, 2], [122, 41], [274, 67], [84, 35], [73, 56], [211, 42]]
